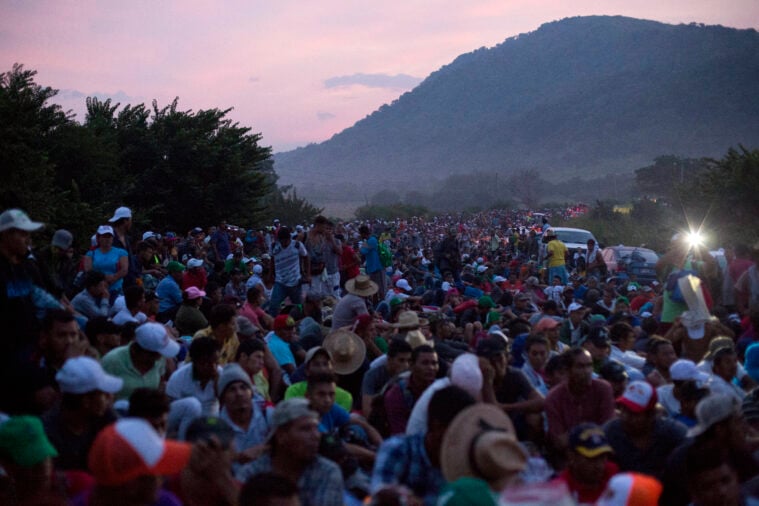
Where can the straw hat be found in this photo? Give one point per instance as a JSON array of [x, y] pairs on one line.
[[361, 285], [481, 443], [347, 350], [409, 320]]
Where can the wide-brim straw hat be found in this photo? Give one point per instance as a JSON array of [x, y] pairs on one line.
[[410, 320], [362, 286], [347, 350], [481, 442]]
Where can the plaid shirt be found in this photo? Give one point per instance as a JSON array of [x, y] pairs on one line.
[[321, 483], [403, 460]]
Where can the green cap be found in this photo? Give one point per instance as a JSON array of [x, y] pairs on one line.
[[395, 301], [23, 440], [493, 317], [175, 266], [466, 491], [486, 301]]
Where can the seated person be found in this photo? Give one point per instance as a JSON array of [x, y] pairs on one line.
[[320, 392], [318, 360]]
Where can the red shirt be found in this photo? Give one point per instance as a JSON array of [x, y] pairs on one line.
[[194, 277], [564, 410], [348, 262], [588, 494]]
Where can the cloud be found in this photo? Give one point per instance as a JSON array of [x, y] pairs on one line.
[[398, 81], [254, 79], [119, 96], [324, 116]]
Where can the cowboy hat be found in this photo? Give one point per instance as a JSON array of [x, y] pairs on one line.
[[361, 285], [347, 350], [410, 320], [481, 443]]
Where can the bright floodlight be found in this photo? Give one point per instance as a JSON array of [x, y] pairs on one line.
[[694, 239]]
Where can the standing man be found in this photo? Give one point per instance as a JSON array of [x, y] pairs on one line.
[[291, 264], [220, 245], [370, 250], [556, 254], [121, 221]]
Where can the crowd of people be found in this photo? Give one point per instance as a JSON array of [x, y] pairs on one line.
[[448, 360]]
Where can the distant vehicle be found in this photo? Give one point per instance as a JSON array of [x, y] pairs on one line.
[[574, 238], [631, 260]]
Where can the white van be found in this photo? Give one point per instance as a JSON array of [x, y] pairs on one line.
[[574, 238]]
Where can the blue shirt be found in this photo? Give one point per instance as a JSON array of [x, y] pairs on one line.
[[221, 240], [169, 294], [108, 264], [403, 460], [335, 418], [280, 350], [371, 253]]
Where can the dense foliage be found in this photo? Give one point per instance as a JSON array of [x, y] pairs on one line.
[[174, 168]]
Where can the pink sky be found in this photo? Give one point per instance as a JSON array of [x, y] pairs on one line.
[[272, 60]]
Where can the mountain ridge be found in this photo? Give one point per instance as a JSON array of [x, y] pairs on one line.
[[579, 96]]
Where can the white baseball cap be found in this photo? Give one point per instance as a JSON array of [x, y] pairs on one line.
[[148, 235], [194, 262], [682, 370], [81, 375], [105, 229], [121, 212], [153, 337], [257, 269], [403, 285], [16, 218]]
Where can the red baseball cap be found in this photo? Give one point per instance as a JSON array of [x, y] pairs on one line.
[[283, 321], [131, 448]]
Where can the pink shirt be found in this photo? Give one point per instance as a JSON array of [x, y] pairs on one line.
[[565, 410]]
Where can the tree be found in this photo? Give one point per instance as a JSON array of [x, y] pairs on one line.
[[284, 204], [526, 187], [27, 121], [723, 197]]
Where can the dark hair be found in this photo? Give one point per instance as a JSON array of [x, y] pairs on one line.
[[253, 293], [93, 278], [148, 403], [446, 403], [128, 331], [701, 458], [573, 353], [262, 487], [619, 330], [363, 229], [132, 296], [203, 347], [212, 286], [533, 339], [550, 305], [320, 220], [397, 346], [100, 325], [221, 314], [424, 348], [319, 378], [249, 346], [284, 233], [56, 316], [722, 353], [656, 342], [557, 363]]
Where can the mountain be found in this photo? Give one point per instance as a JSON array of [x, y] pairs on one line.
[[583, 96]]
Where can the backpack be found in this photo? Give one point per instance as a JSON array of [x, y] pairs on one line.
[[378, 416], [673, 286], [386, 257]]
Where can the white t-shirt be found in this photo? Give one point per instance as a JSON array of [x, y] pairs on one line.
[[287, 262], [182, 384], [125, 316], [417, 422]]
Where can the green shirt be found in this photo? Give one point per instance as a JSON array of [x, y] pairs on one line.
[[118, 362], [343, 398]]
